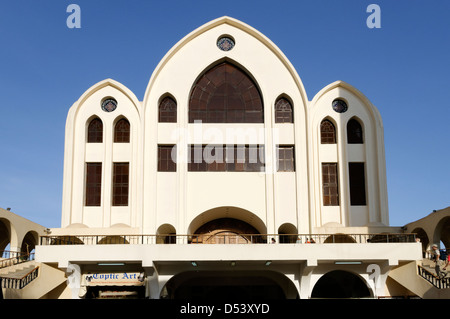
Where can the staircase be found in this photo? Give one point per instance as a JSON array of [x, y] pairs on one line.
[[23, 278], [20, 275], [428, 271], [421, 279], [18, 271]]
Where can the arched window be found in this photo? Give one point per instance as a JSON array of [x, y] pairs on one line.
[[167, 110], [95, 131], [283, 111], [354, 132], [122, 131], [225, 94], [327, 132]]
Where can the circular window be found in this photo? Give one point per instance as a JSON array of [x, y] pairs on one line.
[[339, 106], [225, 43], [109, 105]]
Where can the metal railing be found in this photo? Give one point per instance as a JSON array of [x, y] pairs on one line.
[[227, 239], [19, 283], [436, 281]]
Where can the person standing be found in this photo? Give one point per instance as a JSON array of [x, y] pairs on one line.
[[436, 255]]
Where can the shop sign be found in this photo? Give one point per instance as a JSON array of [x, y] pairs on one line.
[[114, 279]]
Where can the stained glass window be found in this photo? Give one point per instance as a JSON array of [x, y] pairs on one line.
[[225, 43], [225, 94], [339, 106], [285, 158], [330, 184], [165, 161], [167, 110], [93, 188], [95, 131], [122, 131], [109, 105], [226, 158], [120, 184], [283, 111], [327, 132]]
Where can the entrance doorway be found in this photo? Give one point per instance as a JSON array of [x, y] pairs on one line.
[[340, 284], [215, 285]]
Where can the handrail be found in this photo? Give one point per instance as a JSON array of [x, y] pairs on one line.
[[18, 259], [440, 283], [227, 238], [19, 283]]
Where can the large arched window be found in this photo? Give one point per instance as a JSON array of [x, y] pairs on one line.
[[327, 132], [167, 110], [225, 94], [354, 132], [95, 131], [283, 111], [122, 131]]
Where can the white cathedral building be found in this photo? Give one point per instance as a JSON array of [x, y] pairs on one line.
[[226, 179]]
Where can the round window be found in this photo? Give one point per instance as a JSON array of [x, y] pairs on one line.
[[109, 105], [339, 106], [225, 43]]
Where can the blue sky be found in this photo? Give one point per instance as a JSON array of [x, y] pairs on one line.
[[402, 67]]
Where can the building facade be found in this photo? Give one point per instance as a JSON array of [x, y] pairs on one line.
[[225, 155]]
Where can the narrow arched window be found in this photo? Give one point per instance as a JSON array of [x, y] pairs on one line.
[[283, 111], [354, 132], [327, 132], [167, 110], [95, 131], [122, 131]]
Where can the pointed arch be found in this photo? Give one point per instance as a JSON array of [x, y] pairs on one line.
[[122, 131], [167, 110], [95, 131], [355, 134], [228, 21], [284, 112], [225, 93], [327, 132]]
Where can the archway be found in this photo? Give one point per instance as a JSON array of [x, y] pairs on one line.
[[166, 234], [111, 240], [226, 231], [5, 235], [229, 285], [340, 284], [442, 232], [244, 221], [339, 239], [287, 233], [29, 243]]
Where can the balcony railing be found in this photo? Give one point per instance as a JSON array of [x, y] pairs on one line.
[[227, 238]]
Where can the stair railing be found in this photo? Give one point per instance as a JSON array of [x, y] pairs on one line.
[[438, 282], [19, 283]]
